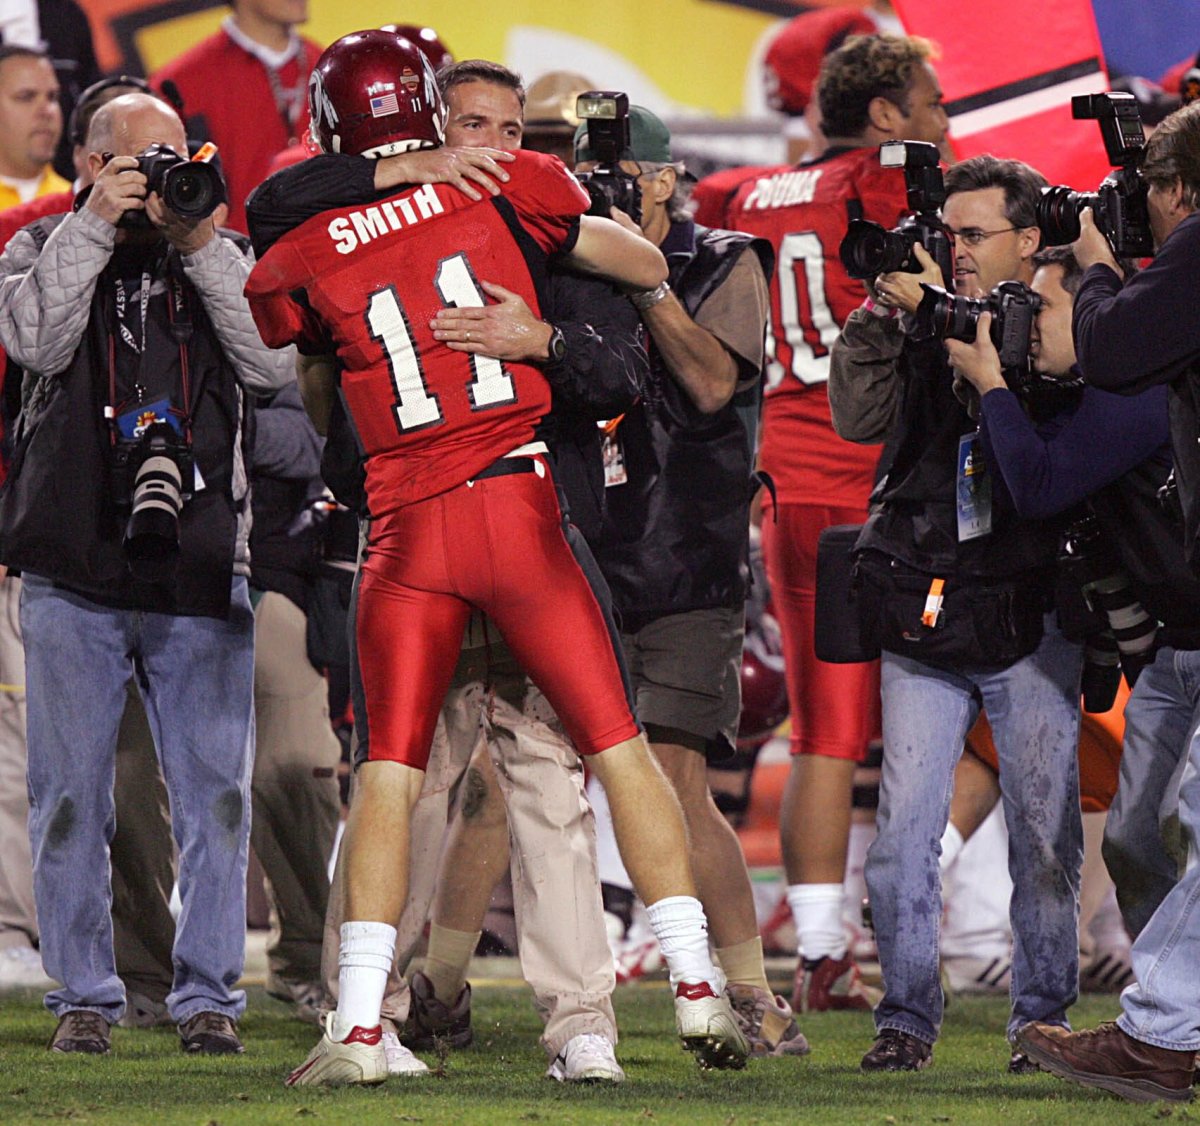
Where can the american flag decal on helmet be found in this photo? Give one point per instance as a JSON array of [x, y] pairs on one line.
[[384, 104]]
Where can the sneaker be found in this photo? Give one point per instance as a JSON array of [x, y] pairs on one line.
[[400, 1061], [21, 968], [708, 1027], [831, 984], [1106, 972], [144, 1012], [210, 1034], [978, 975], [306, 997], [587, 1058], [360, 1058], [81, 1030], [766, 1022], [431, 1021], [894, 1050], [1110, 1059]]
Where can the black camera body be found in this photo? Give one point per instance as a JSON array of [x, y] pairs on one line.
[[193, 189], [606, 113], [1013, 306], [869, 249], [1119, 205], [152, 476]]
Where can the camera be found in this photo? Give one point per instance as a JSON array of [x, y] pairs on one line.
[[1087, 558], [1013, 306], [193, 189], [1119, 206], [869, 250], [153, 475], [606, 113]]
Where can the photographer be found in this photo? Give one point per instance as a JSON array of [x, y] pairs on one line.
[[674, 545], [957, 589], [1131, 336], [1113, 451], [126, 327]]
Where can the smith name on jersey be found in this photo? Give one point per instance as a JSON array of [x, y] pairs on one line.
[[364, 281]]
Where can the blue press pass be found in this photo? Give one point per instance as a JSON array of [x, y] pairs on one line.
[[133, 424]]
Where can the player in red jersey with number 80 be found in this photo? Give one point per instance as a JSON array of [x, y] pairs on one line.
[[463, 514]]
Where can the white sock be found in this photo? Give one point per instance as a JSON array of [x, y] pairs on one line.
[[364, 962], [817, 911], [679, 925], [952, 845]]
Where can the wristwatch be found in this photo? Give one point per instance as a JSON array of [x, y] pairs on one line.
[[556, 346]]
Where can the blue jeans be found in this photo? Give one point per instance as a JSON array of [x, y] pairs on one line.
[[1163, 1006], [1160, 719], [1033, 707], [196, 677]]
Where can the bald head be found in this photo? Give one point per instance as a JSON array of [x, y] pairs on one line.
[[129, 124]]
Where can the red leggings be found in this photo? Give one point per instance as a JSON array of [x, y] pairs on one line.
[[496, 545], [834, 708]]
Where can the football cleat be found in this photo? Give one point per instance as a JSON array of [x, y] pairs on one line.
[[708, 1027], [831, 985], [358, 1059]]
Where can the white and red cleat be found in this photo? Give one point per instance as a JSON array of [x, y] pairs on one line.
[[708, 1028], [358, 1059]]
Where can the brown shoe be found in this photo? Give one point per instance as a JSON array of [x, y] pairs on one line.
[[1110, 1059], [82, 1030], [766, 1021], [210, 1034]]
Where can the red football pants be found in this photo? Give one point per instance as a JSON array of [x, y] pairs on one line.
[[497, 545], [834, 708]]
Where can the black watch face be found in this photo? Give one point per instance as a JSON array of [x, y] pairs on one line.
[[558, 346]]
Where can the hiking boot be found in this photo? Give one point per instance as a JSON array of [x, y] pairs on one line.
[[894, 1050], [766, 1021], [81, 1030], [831, 985], [431, 1021], [210, 1034], [708, 1028], [1109, 1058]]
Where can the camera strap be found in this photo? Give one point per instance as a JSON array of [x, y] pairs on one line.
[[179, 316]]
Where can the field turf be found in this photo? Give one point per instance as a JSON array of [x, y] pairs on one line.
[[500, 1079]]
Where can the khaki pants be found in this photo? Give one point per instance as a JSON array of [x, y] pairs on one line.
[[18, 921], [556, 891], [295, 807]]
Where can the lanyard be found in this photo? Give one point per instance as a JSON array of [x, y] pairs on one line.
[[139, 347], [289, 100]]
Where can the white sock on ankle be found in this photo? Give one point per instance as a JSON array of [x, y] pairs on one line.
[[817, 911], [679, 925], [364, 962]]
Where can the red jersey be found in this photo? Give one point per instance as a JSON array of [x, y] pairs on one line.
[[250, 113], [804, 211], [366, 281], [711, 197]]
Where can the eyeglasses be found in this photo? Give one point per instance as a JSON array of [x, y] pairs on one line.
[[973, 236]]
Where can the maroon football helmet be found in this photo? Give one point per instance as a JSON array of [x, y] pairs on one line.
[[428, 40], [373, 93], [764, 688]]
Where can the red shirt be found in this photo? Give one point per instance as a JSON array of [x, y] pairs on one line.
[[804, 211], [231, 90], [366, 280]]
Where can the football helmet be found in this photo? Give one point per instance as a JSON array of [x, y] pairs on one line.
[[428, 40], [373, 93]]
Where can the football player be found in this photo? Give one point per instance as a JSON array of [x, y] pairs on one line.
[[463, 514], [872, 89]]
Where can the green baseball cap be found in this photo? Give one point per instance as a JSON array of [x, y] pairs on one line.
[[649, 139]]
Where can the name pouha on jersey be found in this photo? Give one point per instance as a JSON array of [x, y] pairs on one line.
[[784, 189], [357, 228]]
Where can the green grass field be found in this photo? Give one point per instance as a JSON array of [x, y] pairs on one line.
[[500, 1079]]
